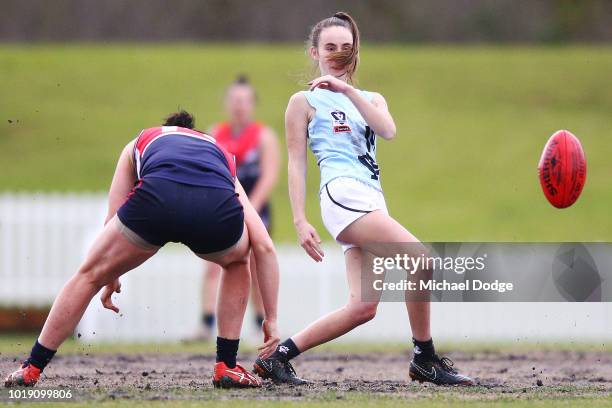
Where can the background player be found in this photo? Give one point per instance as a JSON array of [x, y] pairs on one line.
[[257, 153], [184, 191], [339, 123]]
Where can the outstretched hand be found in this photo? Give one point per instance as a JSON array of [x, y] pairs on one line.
[[105, 298], [271, 339]]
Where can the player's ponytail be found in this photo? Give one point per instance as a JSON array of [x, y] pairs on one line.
[[347, 59], [181, 119]]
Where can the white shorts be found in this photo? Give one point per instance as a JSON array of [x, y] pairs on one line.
[[343, 200]]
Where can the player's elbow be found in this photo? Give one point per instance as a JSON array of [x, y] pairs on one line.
[[388, 132]]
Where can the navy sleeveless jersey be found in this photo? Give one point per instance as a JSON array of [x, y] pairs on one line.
[[184, 156]]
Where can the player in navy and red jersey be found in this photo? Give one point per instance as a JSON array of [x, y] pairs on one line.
[[172, 183], [257, 153]]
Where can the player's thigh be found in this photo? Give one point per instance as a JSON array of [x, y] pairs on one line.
[[212, 271], [112, 254], [239, 252], [381, 235]]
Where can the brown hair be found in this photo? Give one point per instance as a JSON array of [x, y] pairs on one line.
[[348, 59], [243, 80], [181, 118]]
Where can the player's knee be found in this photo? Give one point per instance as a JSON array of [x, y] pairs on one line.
[[363, 312]]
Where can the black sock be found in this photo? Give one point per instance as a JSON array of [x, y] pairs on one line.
[[286, 350], [423, 350], [259, 320], [40, 356], [208, 319], [227, 350]]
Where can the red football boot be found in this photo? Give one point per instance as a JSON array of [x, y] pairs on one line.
[[26, 376], [237, 377]]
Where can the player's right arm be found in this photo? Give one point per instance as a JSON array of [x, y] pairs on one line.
[[123, 181], [296, 129]]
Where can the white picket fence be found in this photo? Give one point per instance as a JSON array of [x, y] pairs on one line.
[[43, 238]]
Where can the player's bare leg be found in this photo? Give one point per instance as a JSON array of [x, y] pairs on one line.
[[232, 300], [111, 255], [333, 325], [210, 288], [343, 320]]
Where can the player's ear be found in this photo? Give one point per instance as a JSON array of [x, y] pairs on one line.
[[314, 53]]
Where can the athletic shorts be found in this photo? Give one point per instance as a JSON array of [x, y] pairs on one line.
[[205, 219], [344, 200]]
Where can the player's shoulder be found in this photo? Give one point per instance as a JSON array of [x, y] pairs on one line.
[[298, 103], [298, 98]]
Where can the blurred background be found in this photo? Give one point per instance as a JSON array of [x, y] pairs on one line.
[[475, 87]]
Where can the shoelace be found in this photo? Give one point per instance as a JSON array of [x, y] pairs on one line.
[[447, 364], [289, 368]]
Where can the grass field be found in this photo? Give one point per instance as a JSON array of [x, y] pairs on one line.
[[471, 125], [353, 374]]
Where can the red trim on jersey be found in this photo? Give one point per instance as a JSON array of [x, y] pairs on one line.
[[147, 136], [242, 144]]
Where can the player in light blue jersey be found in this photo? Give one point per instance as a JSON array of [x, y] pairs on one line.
[[339, 123]]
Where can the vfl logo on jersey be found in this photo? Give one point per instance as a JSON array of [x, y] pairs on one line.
[[339, 122]]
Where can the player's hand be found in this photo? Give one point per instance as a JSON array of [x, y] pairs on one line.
[[271, 338], [331, 83], [310, 240], [107, 302]]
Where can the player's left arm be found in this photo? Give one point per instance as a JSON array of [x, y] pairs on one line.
[[269, 165], [267, 271], [123, 181], [376, 113]]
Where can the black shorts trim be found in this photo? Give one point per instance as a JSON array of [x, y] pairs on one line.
[[344, 206]]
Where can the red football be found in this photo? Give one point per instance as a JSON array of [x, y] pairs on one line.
[[562, 169]]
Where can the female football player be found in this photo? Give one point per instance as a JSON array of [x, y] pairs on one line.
[[172, 183], [257, 153], [339, 123]]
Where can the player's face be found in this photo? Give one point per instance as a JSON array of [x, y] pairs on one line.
[[332, 39], [240, 103]]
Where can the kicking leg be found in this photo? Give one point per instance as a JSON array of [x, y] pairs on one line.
[[331, 326]]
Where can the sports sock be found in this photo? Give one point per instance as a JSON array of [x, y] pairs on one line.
[[423, 350], [259, 320], [40, 356], [208, 319], [286, 350], [227, 350]]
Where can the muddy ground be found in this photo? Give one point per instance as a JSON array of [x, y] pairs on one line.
[[188, 376]]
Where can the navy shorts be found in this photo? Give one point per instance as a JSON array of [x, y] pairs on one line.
[[206, 219]]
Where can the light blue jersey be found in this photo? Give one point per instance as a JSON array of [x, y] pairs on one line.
[[342, 142]]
